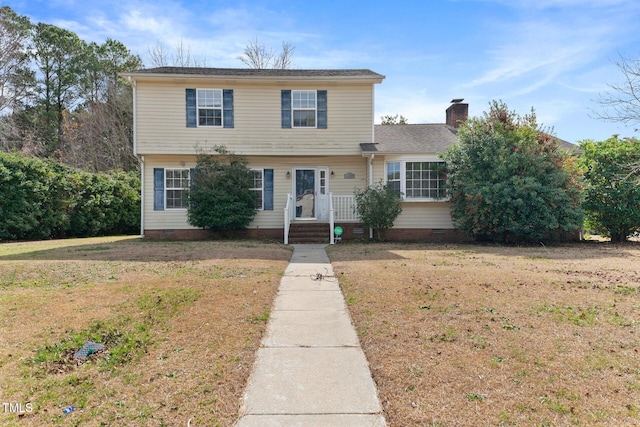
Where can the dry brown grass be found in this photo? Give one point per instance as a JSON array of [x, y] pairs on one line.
[[471, 335], [195, 310]]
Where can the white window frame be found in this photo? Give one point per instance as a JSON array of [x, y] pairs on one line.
[[403, 177], [261, 189], [213, 107], [167, 188], [300, 107]]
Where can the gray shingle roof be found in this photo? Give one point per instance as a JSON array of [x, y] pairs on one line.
[[416, 138], [421, 139], [251, 72]]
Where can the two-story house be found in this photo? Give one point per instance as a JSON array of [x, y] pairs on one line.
[[308, 136]]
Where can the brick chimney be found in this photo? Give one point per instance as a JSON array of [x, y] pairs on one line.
[[457, 112]]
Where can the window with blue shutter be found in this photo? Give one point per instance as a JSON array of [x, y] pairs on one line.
[[209, 107], [322, 109], [304, 109], [227, 107], [192, 113], [158, 189], [268, 189], [286, 109]]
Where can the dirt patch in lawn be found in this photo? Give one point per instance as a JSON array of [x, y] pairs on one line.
[[471, 335], [181, 322]]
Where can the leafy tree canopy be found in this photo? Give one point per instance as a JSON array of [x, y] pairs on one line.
[[394, 120], [510, 182], [612, 201]]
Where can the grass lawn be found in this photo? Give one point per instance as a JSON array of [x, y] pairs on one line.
[[456, 335], [473, 335], [181, 321]]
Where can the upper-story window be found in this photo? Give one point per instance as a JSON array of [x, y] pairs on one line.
[[418, 180], [303, 108], [209, 107]]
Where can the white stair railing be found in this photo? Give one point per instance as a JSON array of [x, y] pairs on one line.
[[287, 218], [344, 206], [331, 220]]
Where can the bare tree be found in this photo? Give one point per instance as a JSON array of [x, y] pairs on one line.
[[158, 55], [182, 56], [283, 61], [622, 102], [257, 55]]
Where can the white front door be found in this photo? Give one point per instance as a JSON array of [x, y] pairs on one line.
[[311, 189], [322, 202]]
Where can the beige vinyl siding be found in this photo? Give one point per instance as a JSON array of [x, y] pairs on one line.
[[425, 215], [417, 214], [161, 120], [338, 185]]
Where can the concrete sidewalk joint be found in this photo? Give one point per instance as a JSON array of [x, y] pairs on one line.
[[310, 369]]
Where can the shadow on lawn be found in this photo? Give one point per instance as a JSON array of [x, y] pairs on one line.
[[129, 248]]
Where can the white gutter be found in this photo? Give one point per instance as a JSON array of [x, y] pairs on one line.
[[135, 116], [371, 157]]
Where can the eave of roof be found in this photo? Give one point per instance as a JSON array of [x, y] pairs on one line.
[[254, 74]]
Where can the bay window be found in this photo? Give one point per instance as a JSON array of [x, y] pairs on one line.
[[418, 180]]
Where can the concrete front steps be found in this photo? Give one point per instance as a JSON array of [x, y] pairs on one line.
[[309, 232]]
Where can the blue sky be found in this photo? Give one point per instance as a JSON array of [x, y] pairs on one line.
[[556, 56]]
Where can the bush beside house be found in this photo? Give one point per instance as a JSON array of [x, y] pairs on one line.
[[378, 207], [41, 199], [510, 181], [220, 197]]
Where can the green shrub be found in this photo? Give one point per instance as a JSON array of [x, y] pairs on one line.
[[510, 182], [378, 207], [41, 199], [220, 197]]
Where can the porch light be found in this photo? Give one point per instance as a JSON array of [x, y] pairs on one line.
[[333, 175], [288, 175]]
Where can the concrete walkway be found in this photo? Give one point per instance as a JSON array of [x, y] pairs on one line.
[[310, 369]]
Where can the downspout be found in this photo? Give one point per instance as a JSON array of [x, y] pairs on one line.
[[141, 159], [371, 157], [373, 139]]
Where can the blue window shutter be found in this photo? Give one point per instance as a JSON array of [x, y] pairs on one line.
[[192, 176], [158, 189], [286, 109], [192, 119], [227, 107], [322, 109], [268, 189]]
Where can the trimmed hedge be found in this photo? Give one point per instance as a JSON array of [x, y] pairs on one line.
[[41, 199]]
